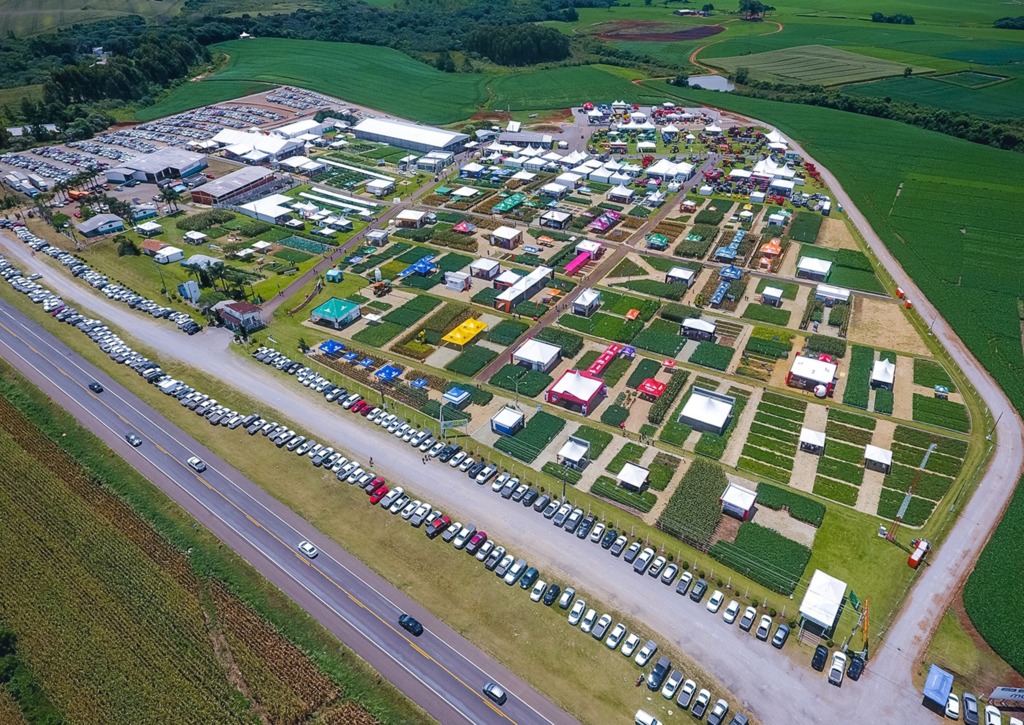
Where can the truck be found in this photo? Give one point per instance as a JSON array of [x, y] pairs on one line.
[[39, 182]]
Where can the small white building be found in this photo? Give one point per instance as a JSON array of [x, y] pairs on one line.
[[707, 411], [194, 237], [587, 302], [168, 254], [821, 604], [537, 355], [695, 328], [883, 374], [574, 454], [621, 194], [810, 373], [410, 219], [457, 281], [633, 477], [485, 268], [380, 187], [555, 219], [507, 421], [877, 459], [831, 295], [812, 441], [506, 237], [684, 275], [813, 268], [772, 296], [738, 501], [556, 191]]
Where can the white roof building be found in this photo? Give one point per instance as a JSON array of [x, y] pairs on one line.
[[269, 208], [509, 277], [590, 247], [738, 501], [587, 297], [633, 477], [813, 267], [302, 164], [485, 267], [307, 126], [410, 215], [879, 456], [523, 176], [621, 192], [408, 135], [568, 180], [681, 274], [824, 597], [465, 192], [504, 233], [698, 324], [707, 411], [506, 421], [574, 451], [883, 372], [537, 355], [769, 169], [812, 438], [830, 293], [377, 187], [814, 370], [772, 293]]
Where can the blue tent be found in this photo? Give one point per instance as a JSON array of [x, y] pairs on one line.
[[331, 347], [388, 373], [423, 267], [366, 362], [350, 356], [731, 272], [938, 686], [419, 383]]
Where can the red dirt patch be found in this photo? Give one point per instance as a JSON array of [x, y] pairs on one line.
[[647, 30]]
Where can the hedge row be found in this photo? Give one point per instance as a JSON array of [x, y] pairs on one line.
[[768, 348], [841, 492], [942, 413], [800, 507], [676, 383], [922, 439], [844, 452], [570, 343]]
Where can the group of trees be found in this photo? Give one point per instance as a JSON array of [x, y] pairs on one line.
[[1016, 23], [897, 19], [754, 9], [518, 45]]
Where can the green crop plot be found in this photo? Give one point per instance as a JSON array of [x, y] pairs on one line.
[[999, 100], [813, 64]]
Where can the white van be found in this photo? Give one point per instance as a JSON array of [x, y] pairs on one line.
[[645, 718]]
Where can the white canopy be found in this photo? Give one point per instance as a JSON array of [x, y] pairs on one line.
[[738, 497], [695, 323], [878, 455], [537, 353], [712, 129], [883, 372], [473, 168], [621, 192], [574, 450], [773, 293], [812, 265], [633, 476], [812, 437], [823, 599], [523, 176], [813, 369], [587, 297], [506, 418], [465, 192], [704, 408], [682, 273]]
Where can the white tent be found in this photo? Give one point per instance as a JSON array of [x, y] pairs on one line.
[[574, 451], [621, 192], [681, 274], [824, 597], [537, 355], [523, 176], [830, 294], [883, 373], [813, 369], [812, 441], [707, 411], [738, 501], [812, 267], [633, 477], [881, 457], [698, 325]]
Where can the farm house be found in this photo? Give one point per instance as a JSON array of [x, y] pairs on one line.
[[507, 422], [707, 411], [537, 355], [810, 373], [633, 477], [737, 501], [576, 391], [100, 224], [812, 441], [693, 328], [831, 295], [813, 268], [587, 302], [877, 459], [883, 374]]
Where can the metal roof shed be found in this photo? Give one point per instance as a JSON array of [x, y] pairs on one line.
[[812, 441], [507, 421]]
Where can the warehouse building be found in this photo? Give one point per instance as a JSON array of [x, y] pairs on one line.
[[97, 226], [167, 163], [233, 185], [406, 135]]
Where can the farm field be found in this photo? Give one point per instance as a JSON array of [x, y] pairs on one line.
[[118, 580], [1000, 100], [812, 64], [22, 18]]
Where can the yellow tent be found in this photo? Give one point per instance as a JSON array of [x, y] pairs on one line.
[[464, 333]]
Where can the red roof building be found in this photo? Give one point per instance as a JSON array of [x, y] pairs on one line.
[[240, 316]]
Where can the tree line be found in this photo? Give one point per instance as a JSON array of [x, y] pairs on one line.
[[897, 19], [518, 45]]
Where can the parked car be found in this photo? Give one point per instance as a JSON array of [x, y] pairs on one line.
[[749, 615], [669, 574], [764, 627], [630, 645], [476, 541], [615, 549], [781, 635], [632, 552], [504, 565], [819, 658], [464, 536], [656, 566], [697, 593], [718, 712], [566, 599], [515, 572], [715, 601], [551, 595], [700, 705], [684, 583], [601, 628], [529, 577], [675, 679], [615, 636], [993, 716], [953, 707], [576, 613], [494, 558], [437, 526], [538, 590], [838, 669], [588, 620], [657, 676], [686, 694], [856, 667], [731, 612], [646, 652], [970, 703]]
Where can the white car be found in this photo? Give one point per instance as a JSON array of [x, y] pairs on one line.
[[436, 450], [538, 590], [646, 653], [576, 613], [403, 429], [457, 459], [463, 536], [686, 694], [588, 620], [500, 481], [615, 638], [466, 464], [308, 549], [672, 684], [731, 612], [838, 669], [410, 509], [764, 627], [715, 602], [718, 712], [993, 716], [196, 464], [953, 707], [630, 645], [597, 533]]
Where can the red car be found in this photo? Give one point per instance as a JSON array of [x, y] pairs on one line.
[[358, 406], [367, 407], [437, 526], [373, 485], [478, 540], [380, 492]]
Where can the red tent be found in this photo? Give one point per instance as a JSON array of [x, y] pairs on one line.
[[651, 388], [465, 227]]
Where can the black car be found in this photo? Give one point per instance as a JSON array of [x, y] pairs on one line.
[[609, 538], [659, 673], [542, 503], [551, 595], [95, 387], [475, 469], [133, 439], [820, 657], [856, 667], [447, 452], [530, 497], [697, 593], [585, 527], [410, 625]]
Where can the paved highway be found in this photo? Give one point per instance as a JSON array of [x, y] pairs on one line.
[[439, 670], [772, 686]]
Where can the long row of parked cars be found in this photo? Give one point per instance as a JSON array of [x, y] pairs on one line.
[[116, 292]]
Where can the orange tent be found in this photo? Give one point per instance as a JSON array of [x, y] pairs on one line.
[[772, 247], [632, 314]]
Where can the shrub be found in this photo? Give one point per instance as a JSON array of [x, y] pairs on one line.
[[823, 344], [800, 507], [765, 556], [693, 511], [712, 355], [676, 383]]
